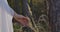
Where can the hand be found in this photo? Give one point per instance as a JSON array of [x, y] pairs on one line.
[[22, 19]]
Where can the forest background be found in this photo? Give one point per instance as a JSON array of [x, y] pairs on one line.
[[36, 10]]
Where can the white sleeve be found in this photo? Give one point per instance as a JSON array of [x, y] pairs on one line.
[[8, 9], [12, 11]]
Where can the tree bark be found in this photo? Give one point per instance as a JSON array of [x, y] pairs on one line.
[[17, 6], [54, 15]]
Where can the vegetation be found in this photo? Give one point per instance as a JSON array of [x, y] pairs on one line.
[[36, 10]]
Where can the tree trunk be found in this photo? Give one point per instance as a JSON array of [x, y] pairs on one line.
[[54, 15], [27, 13], [17, 6]]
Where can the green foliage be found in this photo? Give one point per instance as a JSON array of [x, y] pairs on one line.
[[39, 14]]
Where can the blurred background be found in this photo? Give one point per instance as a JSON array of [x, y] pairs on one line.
[[36, 10]]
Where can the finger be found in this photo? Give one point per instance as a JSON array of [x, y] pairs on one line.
[[24, 23]]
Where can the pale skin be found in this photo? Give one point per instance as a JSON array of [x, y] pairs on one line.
[[21, 19]]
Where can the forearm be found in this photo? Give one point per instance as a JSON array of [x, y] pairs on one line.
[[17, 15]]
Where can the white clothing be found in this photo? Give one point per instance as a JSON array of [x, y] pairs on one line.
[[6, 15]]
